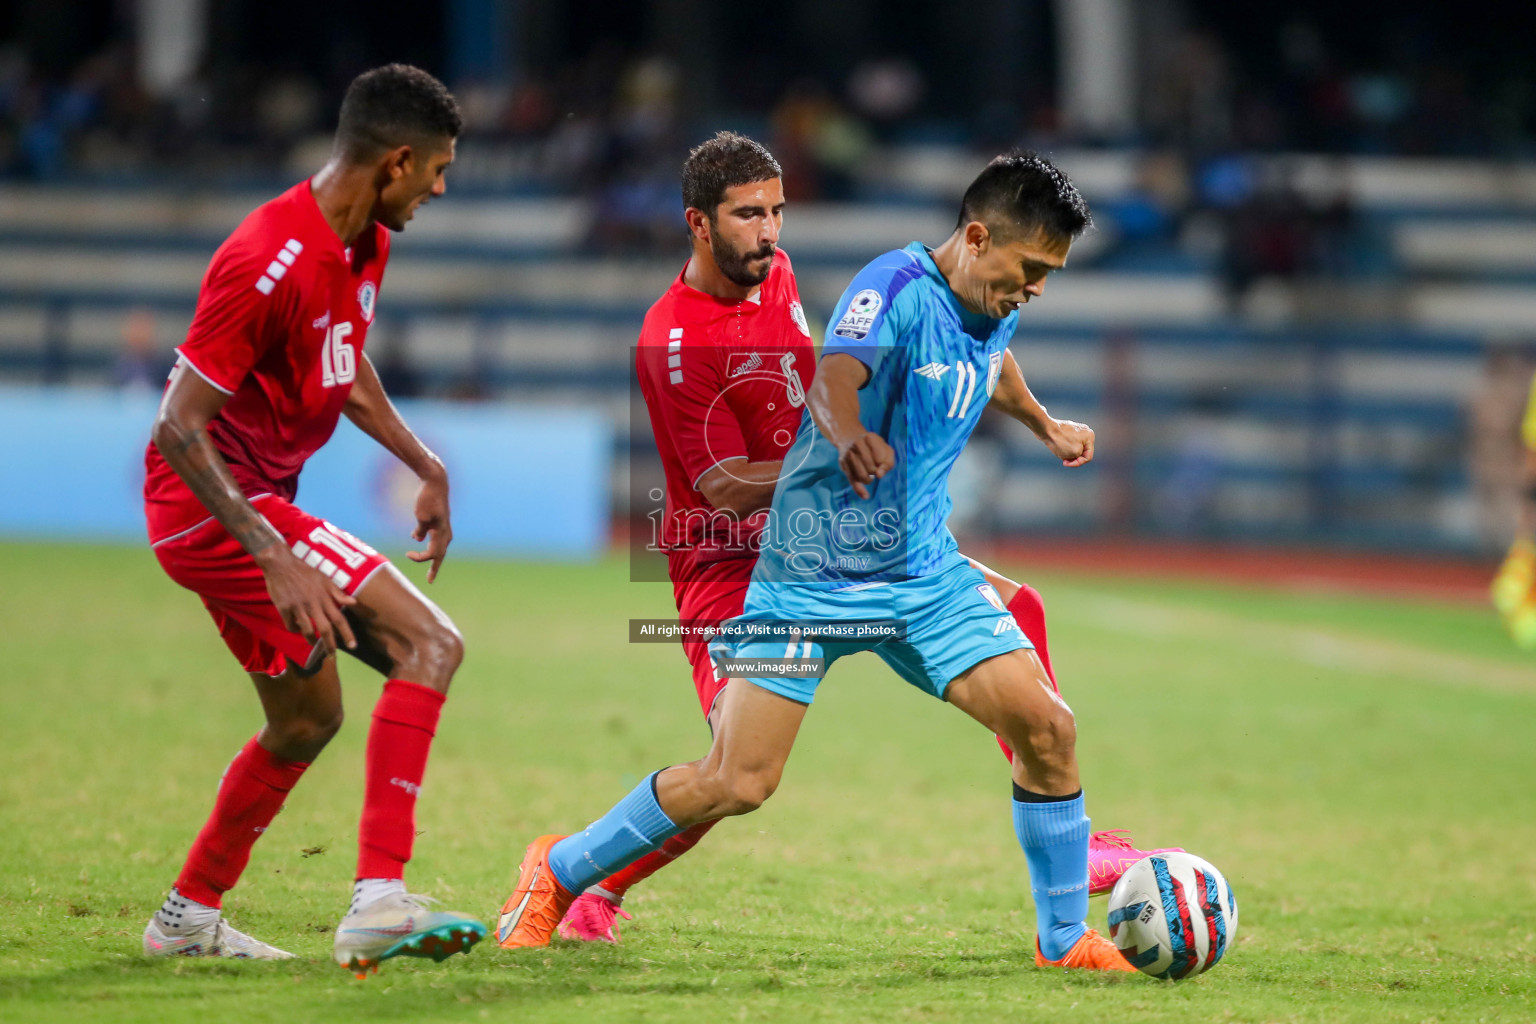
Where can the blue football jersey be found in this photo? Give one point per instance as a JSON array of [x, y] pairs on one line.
[[933, 366]]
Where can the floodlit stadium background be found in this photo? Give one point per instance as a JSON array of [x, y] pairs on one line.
[[1303, 322]]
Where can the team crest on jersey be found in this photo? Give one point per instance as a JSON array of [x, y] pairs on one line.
[[994, 371], [365, 296], [797, 314], [987, 591], [933, 371], [860, 315]]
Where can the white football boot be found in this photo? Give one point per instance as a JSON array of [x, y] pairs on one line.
[[216, 938], [401, 924]]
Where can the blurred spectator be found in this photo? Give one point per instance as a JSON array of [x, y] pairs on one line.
[[1189, 97], [1202, 92], [483, 105], [1269, 230], [1184, 503], [140, 366], [820, 145], [1146, 218], [531, 111], [1495, 449], [885, 89], [287, 107], [638, 208]]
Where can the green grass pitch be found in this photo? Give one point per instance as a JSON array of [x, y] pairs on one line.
[[1362, 770]]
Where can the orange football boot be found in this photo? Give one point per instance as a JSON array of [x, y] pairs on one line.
[[1092, 952], [533, 911]]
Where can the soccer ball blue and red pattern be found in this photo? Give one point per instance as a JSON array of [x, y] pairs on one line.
[[1172, 915]]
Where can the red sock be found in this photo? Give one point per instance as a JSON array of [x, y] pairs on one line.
[[1028, 609], [251, 793], [404, 721], [619, 882]]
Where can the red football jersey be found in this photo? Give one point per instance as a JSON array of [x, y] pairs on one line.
[[722, 380], [281, 319]]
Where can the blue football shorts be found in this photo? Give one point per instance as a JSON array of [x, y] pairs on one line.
[[953, 620]]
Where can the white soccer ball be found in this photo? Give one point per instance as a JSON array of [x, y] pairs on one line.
[[1172, 915]]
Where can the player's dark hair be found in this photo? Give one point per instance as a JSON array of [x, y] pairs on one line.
[[395, 105], [1021, 191], [723, 162]]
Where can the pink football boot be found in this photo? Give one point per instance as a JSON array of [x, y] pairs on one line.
[[1109, 854], [592, 919]]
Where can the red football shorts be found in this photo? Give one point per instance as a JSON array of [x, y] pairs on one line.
[[710, 594], [212, 564]]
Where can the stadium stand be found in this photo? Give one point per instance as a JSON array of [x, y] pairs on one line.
[[1318, 404]]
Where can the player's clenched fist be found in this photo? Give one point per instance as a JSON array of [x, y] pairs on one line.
[[1071, 442], [865, 459], [310, 604]]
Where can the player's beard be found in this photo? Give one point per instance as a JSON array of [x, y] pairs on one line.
[[736, 265]]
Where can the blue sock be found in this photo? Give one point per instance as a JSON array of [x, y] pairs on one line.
[[633, 828], [1055, 840]]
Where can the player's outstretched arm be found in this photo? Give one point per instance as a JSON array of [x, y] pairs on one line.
[[833, 401], [1068, 440], [375, 415], [309, 603]]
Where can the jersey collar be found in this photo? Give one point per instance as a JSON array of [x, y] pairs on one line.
[[319, 226], [714, 304], [976, 324]]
